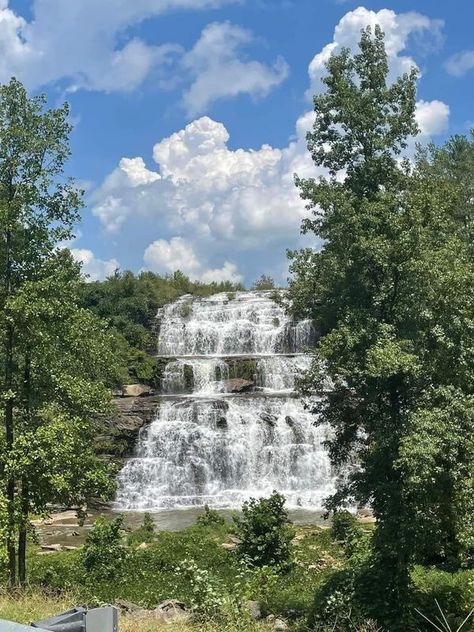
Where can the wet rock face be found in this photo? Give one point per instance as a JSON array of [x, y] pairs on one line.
[[118, 435], [238, 386]]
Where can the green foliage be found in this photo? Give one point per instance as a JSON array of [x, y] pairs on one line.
[[145, 533], [192, 566], [342, 525], [265, 532], [391, 292], [186, 309], [244, 369], [441, 623], [264, 282], [210, 518], [453, 591], [55, 361], [104, 554]]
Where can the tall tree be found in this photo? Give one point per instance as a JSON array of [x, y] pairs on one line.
[[392, 246], [46, 362]]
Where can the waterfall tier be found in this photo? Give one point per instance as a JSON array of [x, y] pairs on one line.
[[240, 323], [228, 426]]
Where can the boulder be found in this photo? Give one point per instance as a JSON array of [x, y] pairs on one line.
[[237, 385], [51, 547], [172, 611], [278, 625], [254, 609], [269, 419], [229, 546], [127, 606], [135, 390]]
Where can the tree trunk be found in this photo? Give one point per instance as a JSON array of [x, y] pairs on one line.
[[9, 425], [23, 532], [25, 496]]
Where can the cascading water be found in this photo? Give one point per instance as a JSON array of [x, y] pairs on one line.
[[210, 444]]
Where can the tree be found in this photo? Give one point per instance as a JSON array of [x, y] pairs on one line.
[[264, 282], [265, 532], [391, 340], [54, 355]]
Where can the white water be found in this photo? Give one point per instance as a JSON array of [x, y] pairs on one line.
[[206, 446]]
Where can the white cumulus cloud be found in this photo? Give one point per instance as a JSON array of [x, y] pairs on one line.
[[211, 191], [84, 42], [432, 117], [205, 200], [178, 254], [95, 269], [218, 71]]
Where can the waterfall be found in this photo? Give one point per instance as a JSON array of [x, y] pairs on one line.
[[228, 426]]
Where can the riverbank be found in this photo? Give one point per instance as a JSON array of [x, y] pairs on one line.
[[64, 528]]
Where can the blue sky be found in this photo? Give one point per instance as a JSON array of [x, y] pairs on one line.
[[190, 115]]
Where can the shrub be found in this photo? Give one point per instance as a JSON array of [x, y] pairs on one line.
[[343, 523], [442, 620], [453, 591], [265, 532], [58, 572], [144, 533], [186, 309], [210, 518], [103, 553]]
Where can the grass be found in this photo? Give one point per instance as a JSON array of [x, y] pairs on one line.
[[31, 605]]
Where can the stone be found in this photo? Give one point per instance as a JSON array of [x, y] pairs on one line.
[[229, 546], [51, 547], [127, 606], [269, 419], [68, 547], [135, 390], [278, 625], [254, 609], [221, 423], [142, 546], [172, 611], [122, 429], [237, 385], [365, 517]]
